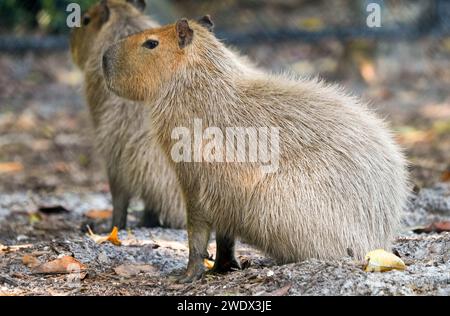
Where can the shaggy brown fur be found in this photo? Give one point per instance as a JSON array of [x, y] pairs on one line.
[[341, 182], [136, 165]]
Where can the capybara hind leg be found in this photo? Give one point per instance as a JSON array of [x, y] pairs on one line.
[[225, 260], [198, 234]]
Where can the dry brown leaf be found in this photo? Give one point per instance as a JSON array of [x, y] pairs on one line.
[[175, 245], [112, 238], [99, 214], [30, 261], [445, 177], [132, 241], [6, 167], [61, 167], [380, 260], [130, 270], [437, 227], [65, 264]]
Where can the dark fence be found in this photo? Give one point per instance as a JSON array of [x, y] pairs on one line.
[[430, 18]]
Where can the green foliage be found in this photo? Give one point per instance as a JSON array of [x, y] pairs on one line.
[[11, 13], [43, 15]]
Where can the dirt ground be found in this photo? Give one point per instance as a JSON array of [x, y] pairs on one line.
[[51, 179]]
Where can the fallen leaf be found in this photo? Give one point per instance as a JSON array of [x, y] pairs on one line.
[[437, 227], [380, 260], [61, 167], [99, 214], [281, 292], [14, 248], [175, 245], [112, 238], [30, 261], [445, 177], [65, 264], [130, 270], [131, 241], [6, 167], [209, 264]]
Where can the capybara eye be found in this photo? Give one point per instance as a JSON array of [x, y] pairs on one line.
[[86, 20], [150, 44]]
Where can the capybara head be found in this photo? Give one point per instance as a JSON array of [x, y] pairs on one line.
[[140, 64], [83, 38]]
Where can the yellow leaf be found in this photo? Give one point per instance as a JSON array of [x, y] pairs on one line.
[[112, 238], [380, 260]]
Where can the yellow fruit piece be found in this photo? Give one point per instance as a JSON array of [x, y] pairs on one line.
[[380, 260], [209, 264]]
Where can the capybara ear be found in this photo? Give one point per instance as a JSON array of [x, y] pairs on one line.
[[184, 33], [104, 11], [139, 4], [207, 22]]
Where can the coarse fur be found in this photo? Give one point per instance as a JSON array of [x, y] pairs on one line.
[[341, 183], [136, 165]]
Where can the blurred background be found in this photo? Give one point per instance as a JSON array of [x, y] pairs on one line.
[[402, 69]]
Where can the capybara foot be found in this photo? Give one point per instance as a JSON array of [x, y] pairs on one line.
[[191, 275]]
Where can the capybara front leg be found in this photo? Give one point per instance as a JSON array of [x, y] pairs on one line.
[[198, 235]]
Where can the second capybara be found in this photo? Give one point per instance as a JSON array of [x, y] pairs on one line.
[[136, 165]]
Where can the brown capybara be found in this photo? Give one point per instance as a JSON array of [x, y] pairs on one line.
[[136, 165], [337, 181]]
